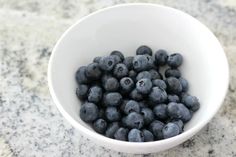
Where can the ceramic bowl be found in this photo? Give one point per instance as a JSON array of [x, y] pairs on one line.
[[124, 28]]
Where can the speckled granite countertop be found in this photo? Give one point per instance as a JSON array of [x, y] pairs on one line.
[[30, 124]]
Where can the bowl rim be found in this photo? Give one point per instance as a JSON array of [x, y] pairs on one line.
[[91, 134]]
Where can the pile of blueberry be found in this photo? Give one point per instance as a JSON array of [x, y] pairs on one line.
[[128, 99]]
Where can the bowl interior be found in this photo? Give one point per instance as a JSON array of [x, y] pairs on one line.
[[125, 28]]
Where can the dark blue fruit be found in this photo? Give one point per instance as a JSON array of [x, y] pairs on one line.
[[126, 84], [111, 84], [141, 63], [178, 111], [132, 74], [170, 72], [148, 136], [97, 59], [150, 62], [112, 114], [191, 102], [160, 111], [82, 91], [80, 75], [88, 112], [93, 72], [159, 83], [112, 99], [135, 95], [147, 114], [156, 128], [158, 95], [184, 84], [144, 86], [135, 135], [173, 85], [173, 98], [134, 120], [119, 54], [175, 60], [101, 113], [143, 104], [128, 61], [120, 70], [170, 130], [107, 63], [95, 94], [100, 126], [155, 74], [116, 58], [144, 74], [111, 129], [121, 134], [180, 124], [161, 57], [131, 106], [144, 50]]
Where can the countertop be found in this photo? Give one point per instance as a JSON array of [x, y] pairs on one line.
[[31, 125]]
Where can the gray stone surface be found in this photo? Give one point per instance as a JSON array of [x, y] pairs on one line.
[[30, 124]]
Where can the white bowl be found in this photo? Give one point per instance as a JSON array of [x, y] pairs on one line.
[[124, 28]]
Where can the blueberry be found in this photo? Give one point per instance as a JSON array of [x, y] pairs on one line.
[[170, 130], [144, 86], [128, 61], [141, 63], [150, 62], [120, 70], [93, 72], [184, 84], [116, 58], [143, 74], [178, 111], [175, 60], [80, 75], [173, 85], [121, 134], [191, 102], [119, 54], [173, 98], [148, 115], [95, 94], [158, 95], [88, 112], [126, 84], [135, 135], [105, 77], [144, 50], [111, 129], [131, 106], [156, 128], [180, 124], [160, 111], [148, 136], [82, 91], [155, 74], [112, 114], [113, 99], [143, 104], [100, 126], [170, 72], [161, 57], [132, 74], [111, 84], [159, 83], [107, 63], [134, 120], [183, 95], [135, 95], [97, 59]]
